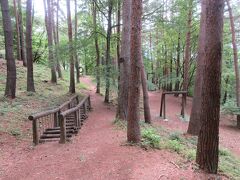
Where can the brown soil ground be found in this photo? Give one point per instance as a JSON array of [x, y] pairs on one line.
[[99, 152]]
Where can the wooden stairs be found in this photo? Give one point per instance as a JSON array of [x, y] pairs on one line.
[[60, 124]]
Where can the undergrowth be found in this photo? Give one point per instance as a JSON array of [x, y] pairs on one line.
[[160, 138]]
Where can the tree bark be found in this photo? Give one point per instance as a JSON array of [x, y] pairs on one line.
[[10, 89], [208, 140], [96, 48], [22, 38], [108, 56], [75, 48], [17, 31], [147, 113], [195, 123], [122, 109], [235, 57], [71, 55], [30, 77], [133, 127]]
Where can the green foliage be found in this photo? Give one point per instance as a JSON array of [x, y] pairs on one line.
[[150, 138], [229, 164], [230, 107]]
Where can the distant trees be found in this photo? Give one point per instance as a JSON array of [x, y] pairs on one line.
[[208, 139], [75, 44], [108, 46], [17, 30], [71, 50], [10, 90], [49, 28], [22, 37], [30, 79], [235, 58], [133, 127], [98, 78]]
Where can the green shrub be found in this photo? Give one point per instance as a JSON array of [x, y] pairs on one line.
[[174, 145], [150, 138]]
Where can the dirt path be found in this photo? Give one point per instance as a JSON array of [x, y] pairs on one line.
[[96, 153]]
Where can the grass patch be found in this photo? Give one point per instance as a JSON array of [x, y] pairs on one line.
[[159, 138]]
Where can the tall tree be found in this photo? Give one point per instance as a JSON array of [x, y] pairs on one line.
[[108, 49], [195, 123], [57, 42], [147, 113], [71, 55], [75, 48], [235, 57], [187, 55], [17, 30], [96, 46], [22, 38], [30, 79], [122, 108], [133, 127], [10, 89], [208, 140], [49, 27]]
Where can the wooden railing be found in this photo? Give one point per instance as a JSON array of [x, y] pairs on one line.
[[49, 118], [79, 113]]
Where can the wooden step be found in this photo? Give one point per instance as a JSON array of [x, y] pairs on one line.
[[48, 140], [57, 131], [50, 136], [58, 128]]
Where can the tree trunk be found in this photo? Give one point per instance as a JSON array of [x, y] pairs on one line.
[[22, 38], [72, 79], [108, 56], [208, 140], [49, 27], [10, 89], [147, 113], [75, 49], [178, 64], [133, 127], [235, 57], [17, 31], [195, 123], [187, 53], [58, 68], [30, 77], [96, 48], [122, 109], [118, 17]]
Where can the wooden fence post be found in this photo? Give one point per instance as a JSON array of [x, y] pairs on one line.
[[35, 132], [62, 130]]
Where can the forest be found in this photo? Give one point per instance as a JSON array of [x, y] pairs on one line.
[[119, 89]]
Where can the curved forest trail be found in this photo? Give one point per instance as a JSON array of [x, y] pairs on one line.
[[98, 151]]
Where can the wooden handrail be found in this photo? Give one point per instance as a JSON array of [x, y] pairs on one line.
[[68, 102], [72, 110], [52, 111], [76, 111], [42, 114]]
